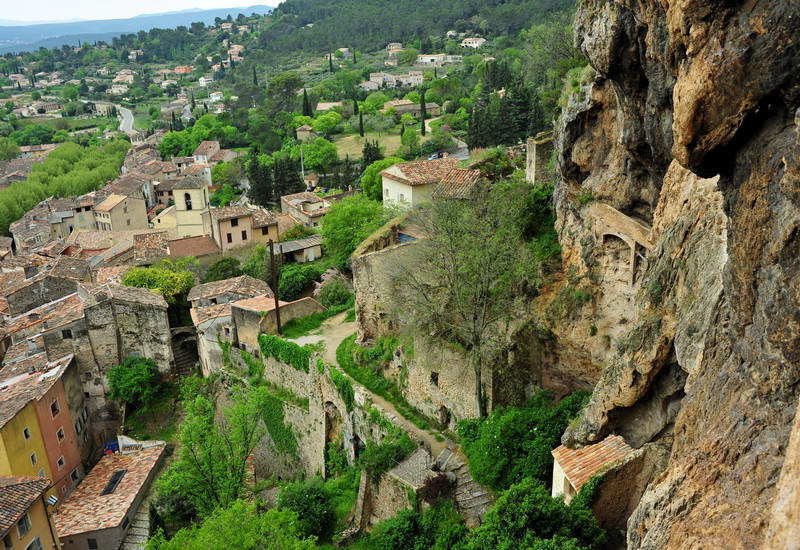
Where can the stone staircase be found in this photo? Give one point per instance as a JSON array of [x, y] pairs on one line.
[[185, 361], [137, 534], [472, 499]]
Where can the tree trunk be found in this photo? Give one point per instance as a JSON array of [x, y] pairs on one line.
[[476, 367]]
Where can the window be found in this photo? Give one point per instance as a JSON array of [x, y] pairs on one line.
[[265, 230], [60, 462], [244, 235], [66, 334], [124, 209], [234, 222], [187, 198], [386, 193], [23, 525], [60, 434], [127, 222], [401, 197], [26, 433], [74, 475], [87, 375], [7, 541], [230, 239], [34, 459], [36, 544], [227, 331], [54, 408], [92, 544], [85, 414], [78, 426], [116, 477]]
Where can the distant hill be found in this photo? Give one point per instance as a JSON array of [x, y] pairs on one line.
[[52, 35]]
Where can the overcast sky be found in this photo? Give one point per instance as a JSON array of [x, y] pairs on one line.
[[66, 10]]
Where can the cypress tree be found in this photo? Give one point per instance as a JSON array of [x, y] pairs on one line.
[[361, 124], [355, 106], [255, 78], [330, 62], [194, 103], [306, 105], [423, 110], [354, 56]]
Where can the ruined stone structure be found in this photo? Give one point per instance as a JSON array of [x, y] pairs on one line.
[[690, 124], [539, 151]]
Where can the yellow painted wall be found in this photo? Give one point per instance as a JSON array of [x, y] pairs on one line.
[[39, 527], [194, 222], [17, 449]]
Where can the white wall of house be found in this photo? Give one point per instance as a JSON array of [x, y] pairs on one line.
[[561, 485], [401, 193]]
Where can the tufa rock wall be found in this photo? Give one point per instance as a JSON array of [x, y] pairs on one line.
[[691, 125]]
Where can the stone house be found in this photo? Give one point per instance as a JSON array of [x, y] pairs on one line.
[[473, 42], [201, 171], [239, 225], [121, 213], [305, 132], [574, 467], [410, 183], [227, 290], [203, 152], [191, 207], [303, 250], [70, 214], [403, 106], [25, 521], [305, 207], [100, 511], [213, 324]]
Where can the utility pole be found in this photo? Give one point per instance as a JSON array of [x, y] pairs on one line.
[[275, 285], [302, 163]]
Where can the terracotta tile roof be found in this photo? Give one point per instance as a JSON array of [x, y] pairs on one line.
[[202, 314], [297, 198], [87, 510], [167, 185], [244, 285], [17, 495], [230, 212], [129, 184], [108, 204], [195, 169], [189, 182], [285, 222], [193, 246], [421, 172], [182, 160], [263, 218], [10, 278], [581, 464], [100, 292], [110, 274], [50, 315], [458, 183], [71, 268], [18, 391], [206, 147], [259, 303], [150, 247]]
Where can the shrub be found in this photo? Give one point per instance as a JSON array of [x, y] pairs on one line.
[[136, 381], [438, 528], [297, 231], [284, 351], [295, 278], [311, 503], [515, 443], [377, 459], [344, 387], [334, 293], [435, 488]]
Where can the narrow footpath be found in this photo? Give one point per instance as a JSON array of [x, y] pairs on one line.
[[332, 332]]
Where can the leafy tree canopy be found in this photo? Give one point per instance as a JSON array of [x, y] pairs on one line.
[[372, 181], [349, 222], [136, 381]]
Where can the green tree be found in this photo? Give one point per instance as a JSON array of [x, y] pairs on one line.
[[372, 181], [226, 268], [423, 109], [211, 466], [472, 291], [307, 110], [349, 222], [361, 124], [8, 149], [239, 526], [408, 56], [282, 92], [309, 500], [172, 285], [318, 154], [370, 153], [325, 123], [136, 381]]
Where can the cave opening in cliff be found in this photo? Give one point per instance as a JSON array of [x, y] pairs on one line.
[[653, 415]]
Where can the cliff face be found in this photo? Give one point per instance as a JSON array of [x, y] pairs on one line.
[[690, 126]]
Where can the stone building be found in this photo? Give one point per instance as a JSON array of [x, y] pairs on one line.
[[192, 213], [239, 225]]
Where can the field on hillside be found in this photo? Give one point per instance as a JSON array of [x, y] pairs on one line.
[[353, 144]]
